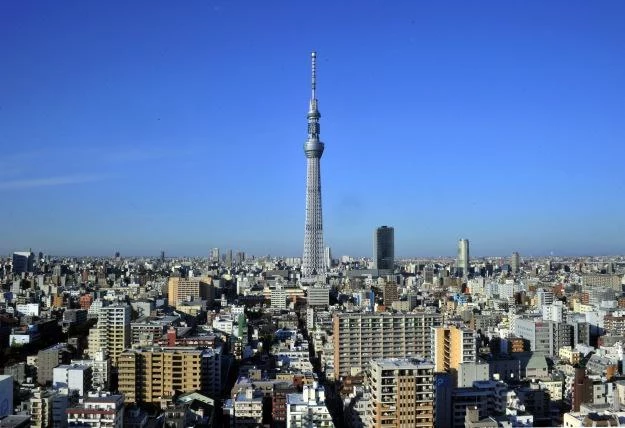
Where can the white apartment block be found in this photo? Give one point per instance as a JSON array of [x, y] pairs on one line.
[[308, 409]]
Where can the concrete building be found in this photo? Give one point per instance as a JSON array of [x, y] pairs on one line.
[[149, 374], [100, 370], [98, 412], [47, 409], [189, 289], [318, 295], [48, 359], [515, 262], [356, 338], [451, 346], [72, 377], [463, 260], [546, 337], [245, 409], [390, 294], [112, 332], [278, 298], [308, 409], [384, 248], [402, 393], [6, 395], [17, 370]]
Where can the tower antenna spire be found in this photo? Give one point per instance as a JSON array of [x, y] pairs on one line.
[[313, 56]]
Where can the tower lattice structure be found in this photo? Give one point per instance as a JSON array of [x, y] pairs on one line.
[[313, 260]]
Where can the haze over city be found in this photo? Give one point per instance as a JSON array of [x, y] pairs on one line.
[[138, 127]]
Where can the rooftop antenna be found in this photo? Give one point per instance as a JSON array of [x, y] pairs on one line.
[[313, 55]]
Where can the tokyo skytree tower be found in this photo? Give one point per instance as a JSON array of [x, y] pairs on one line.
[[313, 260]]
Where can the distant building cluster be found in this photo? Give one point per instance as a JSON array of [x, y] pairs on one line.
[[229, 340]]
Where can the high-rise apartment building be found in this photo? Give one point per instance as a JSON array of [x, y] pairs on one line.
[[187, 289], [214, 255], [112, 332], [390, 293], [451, 346], [462, 262], [327, 255], [402, 393], [384, 248], [148, 374], [357, 338], [47, 409], [313, 259], [515, 262]]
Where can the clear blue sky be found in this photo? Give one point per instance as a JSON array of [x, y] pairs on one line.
[[147, 125]]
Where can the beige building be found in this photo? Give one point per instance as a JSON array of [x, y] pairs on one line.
[[402, 393], [188, 289], [452, 345], [572, 356], [112, 332], [149, 375], [47, 409], [360, 337]]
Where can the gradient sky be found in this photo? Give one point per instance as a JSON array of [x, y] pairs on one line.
[[147, 125]]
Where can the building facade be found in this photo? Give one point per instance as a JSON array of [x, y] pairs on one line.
[[384, 248], [357, 336], [402, 393]]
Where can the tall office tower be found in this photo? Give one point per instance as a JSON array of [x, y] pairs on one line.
[[462, 263], [327, 255], [515, 262], [112, 332], [402, 393], [23, 261], [451, 346], [384, 248], [356, 338], [229, 258], [215, 255], [162, 256], [313, 260]]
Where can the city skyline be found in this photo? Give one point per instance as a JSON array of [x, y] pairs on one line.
[[499, 123]]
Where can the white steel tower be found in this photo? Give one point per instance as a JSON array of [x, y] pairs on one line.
[[313, 260]]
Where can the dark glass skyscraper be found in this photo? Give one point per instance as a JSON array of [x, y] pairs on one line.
[[384, 248]]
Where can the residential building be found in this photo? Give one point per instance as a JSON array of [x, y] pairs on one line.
[[73, 377], [463, 260], [451, 346], [97, 412], [245, 409], [48, 359], [189, 289], [147, 375], [357, 336], [402, 393], [47, 409], [308, 409], [112, 332]]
